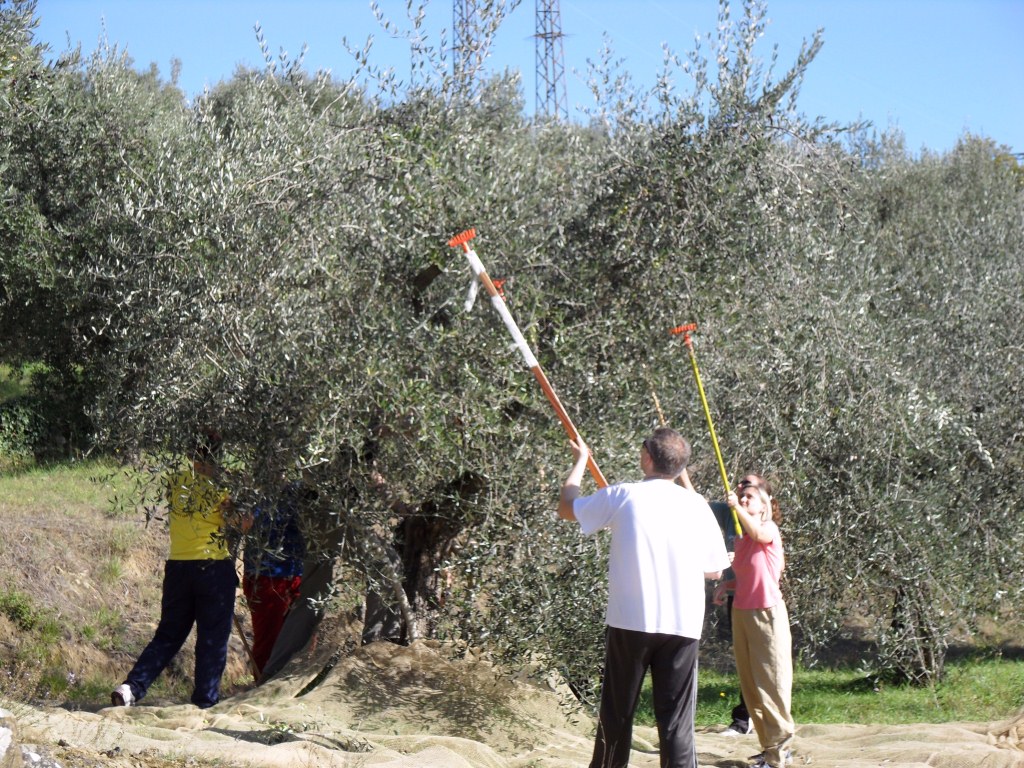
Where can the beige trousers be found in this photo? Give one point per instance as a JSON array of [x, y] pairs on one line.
[[764, 660]]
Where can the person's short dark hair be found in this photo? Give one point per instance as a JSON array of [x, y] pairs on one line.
[[669, 451], [750, 479], [207, 446]]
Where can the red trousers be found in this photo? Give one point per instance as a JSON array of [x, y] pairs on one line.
[[269, 600]]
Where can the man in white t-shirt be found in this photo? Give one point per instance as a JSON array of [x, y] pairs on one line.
[[665, 542]]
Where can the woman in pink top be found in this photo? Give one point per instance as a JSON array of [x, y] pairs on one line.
[[760, 624]]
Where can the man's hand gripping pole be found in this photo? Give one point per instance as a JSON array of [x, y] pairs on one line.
[[684, 330], [462, 241]]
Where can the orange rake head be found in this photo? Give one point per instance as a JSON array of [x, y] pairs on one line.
[[683, 329], [462, 239]]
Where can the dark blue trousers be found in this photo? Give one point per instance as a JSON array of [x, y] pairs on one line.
[[200, 592], [673, 664]]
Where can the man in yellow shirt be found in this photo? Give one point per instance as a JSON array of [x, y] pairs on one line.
[[199, 582]]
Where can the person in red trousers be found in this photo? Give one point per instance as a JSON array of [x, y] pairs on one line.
[[273, 568]]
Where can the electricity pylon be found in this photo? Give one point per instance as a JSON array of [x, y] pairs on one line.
[[469, 50], [467, 55], [550, 53]]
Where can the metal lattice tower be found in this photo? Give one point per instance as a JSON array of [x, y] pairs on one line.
[[550, 53], [466, 54]]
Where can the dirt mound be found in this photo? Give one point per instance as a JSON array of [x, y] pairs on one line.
[[437, 706]]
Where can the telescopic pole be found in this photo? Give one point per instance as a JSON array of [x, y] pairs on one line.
[[688, 341], [248, 650], [462, 240]]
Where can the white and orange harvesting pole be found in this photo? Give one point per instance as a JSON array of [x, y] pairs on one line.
[[462, 241]]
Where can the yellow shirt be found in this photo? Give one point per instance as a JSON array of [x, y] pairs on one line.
[[196, 520]]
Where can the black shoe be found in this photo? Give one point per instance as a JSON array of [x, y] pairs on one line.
[[739, 728]]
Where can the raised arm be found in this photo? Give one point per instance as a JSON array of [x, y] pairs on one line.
[[752, 524], [571, 486]]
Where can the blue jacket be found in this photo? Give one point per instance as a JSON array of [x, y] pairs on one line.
[[276, 546]]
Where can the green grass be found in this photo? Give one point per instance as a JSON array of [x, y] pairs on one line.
[[70, 486], [19, 609], [39, 627], [973, 690]]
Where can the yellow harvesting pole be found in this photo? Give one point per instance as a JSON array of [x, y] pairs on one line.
[[685, 331]]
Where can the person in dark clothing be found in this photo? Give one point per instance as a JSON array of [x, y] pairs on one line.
[[741, 724], [273, 568]]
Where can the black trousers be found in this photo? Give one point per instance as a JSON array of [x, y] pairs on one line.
[[199, 592], [672, 661]]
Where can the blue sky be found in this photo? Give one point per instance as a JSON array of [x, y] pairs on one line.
[[932, 68]]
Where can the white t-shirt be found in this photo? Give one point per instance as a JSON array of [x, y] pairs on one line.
[[664, 538]]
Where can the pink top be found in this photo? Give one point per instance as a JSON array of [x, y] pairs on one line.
[[758, 568]]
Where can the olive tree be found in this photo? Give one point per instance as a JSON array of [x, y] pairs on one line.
[[69, 131], [289, 282], [928, 452]]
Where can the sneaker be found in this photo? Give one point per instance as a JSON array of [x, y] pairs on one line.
[[760, 762], [122, 696], [737, 728]]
